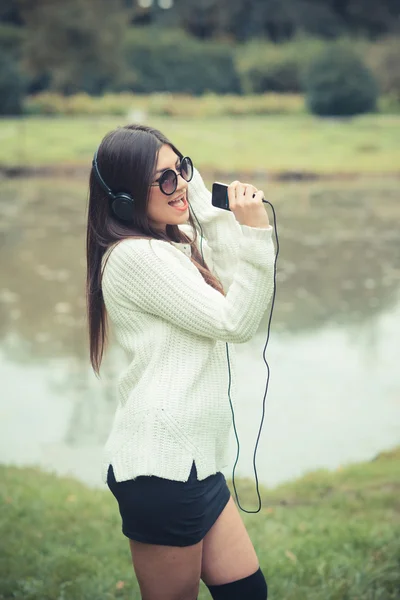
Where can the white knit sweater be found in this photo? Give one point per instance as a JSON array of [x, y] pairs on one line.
[[173, 405]]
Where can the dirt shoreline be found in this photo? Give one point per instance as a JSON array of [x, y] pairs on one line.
[[82, 171]]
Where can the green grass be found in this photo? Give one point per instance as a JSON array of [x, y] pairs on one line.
[[327, 536], [265, 144]]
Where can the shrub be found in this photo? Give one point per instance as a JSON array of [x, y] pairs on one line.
[[338, 83], [383, 58], [12, 86], [11, 40], [171, 61], [13, 82], [163, 104], [267, 67]]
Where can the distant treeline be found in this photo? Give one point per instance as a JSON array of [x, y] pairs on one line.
[[194, 47], [276, 20]]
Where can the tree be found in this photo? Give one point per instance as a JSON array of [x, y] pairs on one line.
[[368, 17], [77, 44], [10, 12], [12, 86], [278, 20]]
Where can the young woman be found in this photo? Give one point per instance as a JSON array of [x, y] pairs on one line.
[[175, 314]]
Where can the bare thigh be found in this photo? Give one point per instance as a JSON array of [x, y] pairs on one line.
[[167, 572], [228, 552]]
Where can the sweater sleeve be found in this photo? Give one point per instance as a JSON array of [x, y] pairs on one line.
[[155, 277], [219, 227]]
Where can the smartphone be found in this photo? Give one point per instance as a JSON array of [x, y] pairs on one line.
[[219, 195]]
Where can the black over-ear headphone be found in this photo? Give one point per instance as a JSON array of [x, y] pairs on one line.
[[122, 203]]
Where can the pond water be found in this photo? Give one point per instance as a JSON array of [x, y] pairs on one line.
[[334, 387]]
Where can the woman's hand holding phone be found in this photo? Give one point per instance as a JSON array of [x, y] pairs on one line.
[[246, 203]]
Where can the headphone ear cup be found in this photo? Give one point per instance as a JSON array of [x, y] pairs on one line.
[[123, 206]]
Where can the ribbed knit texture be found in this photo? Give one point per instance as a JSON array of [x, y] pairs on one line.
[[173, 405]]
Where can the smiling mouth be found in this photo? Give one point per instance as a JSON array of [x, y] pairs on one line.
[[180, 202]]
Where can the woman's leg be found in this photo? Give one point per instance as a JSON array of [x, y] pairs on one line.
[[229, 557], [167, 572]]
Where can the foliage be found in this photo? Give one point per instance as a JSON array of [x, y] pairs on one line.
[[338, 83], [69, 44], [10, 12], [383, 58], [164, 104], [11, 39], [172, 61], [12, 87], [264, 66], [267, 67], [86, 56], [243, 20], [282, 20], [13, 82]]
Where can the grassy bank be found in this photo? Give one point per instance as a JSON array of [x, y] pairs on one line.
[[327, 536], [261, 144]]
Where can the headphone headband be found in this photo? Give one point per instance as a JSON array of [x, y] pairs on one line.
[[99, 177], [122, 203]]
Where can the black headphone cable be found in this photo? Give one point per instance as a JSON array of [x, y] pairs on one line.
[[268, 370]]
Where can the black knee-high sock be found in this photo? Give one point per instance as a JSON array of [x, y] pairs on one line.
[[253, 587]]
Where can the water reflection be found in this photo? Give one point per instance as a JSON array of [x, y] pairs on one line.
[[336, 303], [340, 257]]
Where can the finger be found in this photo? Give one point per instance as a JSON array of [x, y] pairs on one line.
[[258, 198], [232, 192], [240, 191], [250, 191]]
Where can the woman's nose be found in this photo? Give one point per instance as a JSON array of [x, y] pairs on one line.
[[181, 181]]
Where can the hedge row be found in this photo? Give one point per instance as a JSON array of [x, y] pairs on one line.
[[282, 67], [174, 62], [164, 104], [170, 60], [137, 107]]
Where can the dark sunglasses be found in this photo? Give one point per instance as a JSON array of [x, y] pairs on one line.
[[168, 181]]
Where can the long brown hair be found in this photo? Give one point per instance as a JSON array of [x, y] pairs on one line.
[[127, 158]]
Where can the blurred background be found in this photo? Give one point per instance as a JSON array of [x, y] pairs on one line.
[[300, 98]]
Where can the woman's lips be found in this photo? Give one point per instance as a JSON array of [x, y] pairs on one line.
[[179, 207]]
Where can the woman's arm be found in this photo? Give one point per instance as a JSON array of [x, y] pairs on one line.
[[156, 278], [220, 228]]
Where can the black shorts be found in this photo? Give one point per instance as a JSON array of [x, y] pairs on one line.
[[155, 510]]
